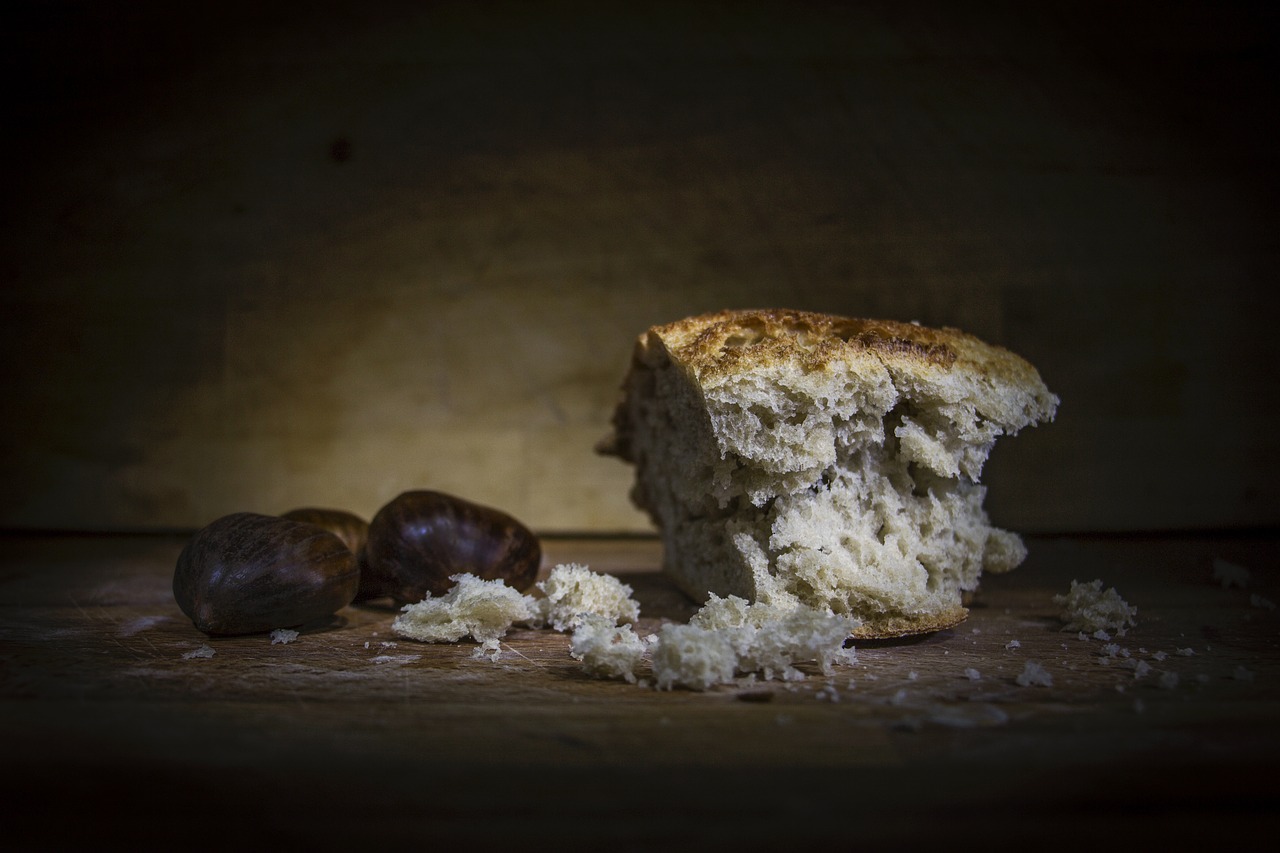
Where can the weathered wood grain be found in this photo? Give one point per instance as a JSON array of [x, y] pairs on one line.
[[351, 734]]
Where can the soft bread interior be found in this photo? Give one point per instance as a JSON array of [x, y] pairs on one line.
[[798, 460]]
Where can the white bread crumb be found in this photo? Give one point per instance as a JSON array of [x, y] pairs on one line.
[[972, 674], [606, 649], [729, 636], [1230, 574], [1012, 644], [1258, 601], [204, 651], [572, 590], [481, 609], [693, 657], [1186, 653], [1086, 607], [283, 635], [1034, 675], [1168, 680]]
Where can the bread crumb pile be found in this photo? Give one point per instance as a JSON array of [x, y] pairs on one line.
[[1230, 574], [485, 610], [1034, 675], [727, 638], [1087, 608], [730, 636], [481, 609], [572, 590], [606, 649]]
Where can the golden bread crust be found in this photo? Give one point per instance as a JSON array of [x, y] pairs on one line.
[[718, 346], [733, 341]]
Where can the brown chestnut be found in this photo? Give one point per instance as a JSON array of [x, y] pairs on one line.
[[246, 573], [347, 526], [421, 538]]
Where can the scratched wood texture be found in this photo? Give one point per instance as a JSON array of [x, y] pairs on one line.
[[350, 735]]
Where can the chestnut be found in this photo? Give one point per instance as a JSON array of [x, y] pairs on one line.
[[421, 538], [347, 526], [246, 573]]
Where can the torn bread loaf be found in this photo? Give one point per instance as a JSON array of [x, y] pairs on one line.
[[798, 458]]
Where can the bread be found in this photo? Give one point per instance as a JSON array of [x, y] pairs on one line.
[[729, 636], [1086, 607], [572, 591], [798, 458], [606, 649], [481, 609]]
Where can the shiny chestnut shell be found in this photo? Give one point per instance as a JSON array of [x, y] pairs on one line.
[[347, 526], [246, 573], [421, 538]]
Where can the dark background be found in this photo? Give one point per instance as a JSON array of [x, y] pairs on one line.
[[262, 255]]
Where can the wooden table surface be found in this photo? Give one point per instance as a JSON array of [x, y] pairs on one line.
[[113, 735]]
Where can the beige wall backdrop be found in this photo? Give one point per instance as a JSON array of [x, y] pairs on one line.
[[259, 258]]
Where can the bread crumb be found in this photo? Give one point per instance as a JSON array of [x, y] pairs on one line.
[[283, 635], [204, 651], [1159, 656], [1033, 674], [972, 674], [1168, 680], [693, 657], [1086, 607], [912, 675], [1012, 644], [1141, 669], [1139, 706], [729, 636], [572, 590], [828, 693], [606, 649], [482, 609], [1101, 635], [1230, 574], [1258, 601], [1186, 653]]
